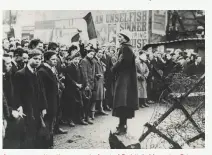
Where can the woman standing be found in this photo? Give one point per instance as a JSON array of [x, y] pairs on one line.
[[125, 100], [142, 74]]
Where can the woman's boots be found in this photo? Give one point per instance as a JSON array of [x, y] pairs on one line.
[[122, 128]]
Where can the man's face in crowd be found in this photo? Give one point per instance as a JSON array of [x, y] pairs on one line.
[[198, 60], [112, 48], [12, 40], [17, 58], [40, 46], [112, 52], [188, 59], [181, 62], [75, 60], [74, 52], [57, 50], [25, 57], [174, 58], [63, 52], [100, 54], [90, 55], [69, 61], [52, 61], [149, 50], [11, 54], [7, 64], [35, 61], [156, 55], [26, 45], [168, 56], [6, 44], [150, 56]]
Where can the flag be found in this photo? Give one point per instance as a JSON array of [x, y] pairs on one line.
[[11, 33], [90, 26], [75, 38]]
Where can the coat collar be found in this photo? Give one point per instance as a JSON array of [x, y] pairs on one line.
[[98, 60], [127, 43], [47, 65], [91, 62], [32, 70], [51, 73], [14, 62]]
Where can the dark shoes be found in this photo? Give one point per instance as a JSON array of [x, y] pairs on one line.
[[71, 124], [146, 105], [60, 131], [151, 102], [93, 115], [142, 106], [103, 113], [107, 108], [89, 121], [63, 122], [82, 122], [121, 130]]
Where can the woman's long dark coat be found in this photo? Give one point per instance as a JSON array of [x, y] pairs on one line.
[[14, 128], [72, 94], [125, 90], [50, 84]]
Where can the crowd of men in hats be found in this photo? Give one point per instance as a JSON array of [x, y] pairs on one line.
[[46, 85]]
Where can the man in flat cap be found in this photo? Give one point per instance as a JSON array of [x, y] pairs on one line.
[[30, 95], [16, 61]]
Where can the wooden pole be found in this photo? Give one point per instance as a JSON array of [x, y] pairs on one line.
[[10, 21]]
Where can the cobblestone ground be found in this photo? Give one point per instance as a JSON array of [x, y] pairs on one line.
[[96, 136]]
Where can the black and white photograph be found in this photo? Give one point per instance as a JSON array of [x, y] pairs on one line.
[[103, 79]]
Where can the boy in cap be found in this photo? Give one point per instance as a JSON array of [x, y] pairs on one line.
[[30, 95]]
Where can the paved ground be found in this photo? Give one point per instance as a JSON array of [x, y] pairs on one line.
[[96, 136]]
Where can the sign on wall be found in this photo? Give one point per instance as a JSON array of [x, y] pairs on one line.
[[159, 22], [134, 21]]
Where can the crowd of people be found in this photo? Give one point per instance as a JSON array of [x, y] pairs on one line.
[[49, 84]]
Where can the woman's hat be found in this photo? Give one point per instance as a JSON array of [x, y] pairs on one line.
[[127, 34]]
